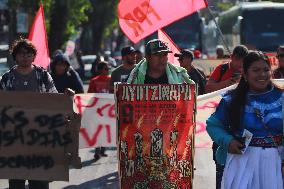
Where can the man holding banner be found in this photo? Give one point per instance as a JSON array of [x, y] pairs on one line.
[[156, 123], [25, 76], [155, 69]]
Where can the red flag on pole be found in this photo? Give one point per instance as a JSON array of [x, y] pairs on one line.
[[174, 48], [143, 17], [38, 37], [124, 6]]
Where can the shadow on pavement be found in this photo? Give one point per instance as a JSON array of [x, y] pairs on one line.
[[109, 181], [91, 161]]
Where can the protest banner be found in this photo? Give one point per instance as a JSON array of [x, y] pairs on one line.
[[98, 125], [138, 19], [206, 105], [37, 139], [99, 109], [155, 135]]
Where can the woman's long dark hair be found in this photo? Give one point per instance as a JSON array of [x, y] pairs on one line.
[[236, 107]]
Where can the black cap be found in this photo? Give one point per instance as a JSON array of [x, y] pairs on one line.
[[185, 53], [127, 50], [157, 46]]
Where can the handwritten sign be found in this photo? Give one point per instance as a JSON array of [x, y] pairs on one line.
[[35, 138], [98, 125], [155, 135]]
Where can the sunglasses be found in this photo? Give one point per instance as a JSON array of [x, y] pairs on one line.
[[280, 55]]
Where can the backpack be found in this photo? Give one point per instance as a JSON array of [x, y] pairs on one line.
[[224, 68]]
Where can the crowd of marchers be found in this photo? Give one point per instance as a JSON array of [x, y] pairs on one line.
[[254, 107]]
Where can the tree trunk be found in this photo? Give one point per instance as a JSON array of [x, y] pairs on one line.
[[58, 25]]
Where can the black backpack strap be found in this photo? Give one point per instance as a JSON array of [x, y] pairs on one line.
[[224, 68]]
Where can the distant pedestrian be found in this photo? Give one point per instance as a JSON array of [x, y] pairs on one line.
[[63, 75], [185, 59], [81, 70], [94, 69], [121, 73], [138, 56], [220, 52], [111, 61], [25, 76], [100, 84], [279, 72]]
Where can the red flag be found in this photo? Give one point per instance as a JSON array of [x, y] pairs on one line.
[[125, 5], [144, 17], [164, 37], [38, 37]]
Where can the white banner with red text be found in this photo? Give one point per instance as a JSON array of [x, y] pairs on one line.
[[98, 124]]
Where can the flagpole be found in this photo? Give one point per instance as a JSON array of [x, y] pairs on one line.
[[219, 30]]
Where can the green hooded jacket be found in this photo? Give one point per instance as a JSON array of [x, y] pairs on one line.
[[175, 74]]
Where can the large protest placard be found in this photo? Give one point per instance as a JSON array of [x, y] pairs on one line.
[[155, 135], [37, 137]]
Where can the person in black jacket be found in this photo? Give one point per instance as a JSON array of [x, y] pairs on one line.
[[64, 75], [185, 58]]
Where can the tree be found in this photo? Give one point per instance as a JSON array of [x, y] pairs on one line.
[[65, 17], [102, 21], [62, 17], [30, 8]]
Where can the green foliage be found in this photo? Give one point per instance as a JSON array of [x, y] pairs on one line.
[[102, 22], [280, 1], [64, 19], [224, 6], [75, 14]]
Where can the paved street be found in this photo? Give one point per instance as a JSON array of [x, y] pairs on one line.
[[103, 173]]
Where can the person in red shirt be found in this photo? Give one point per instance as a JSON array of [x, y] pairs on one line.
[[229, 73], [100, 84]]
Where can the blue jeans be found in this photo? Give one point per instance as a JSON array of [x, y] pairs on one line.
[[33, 184]]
